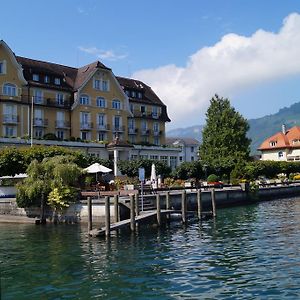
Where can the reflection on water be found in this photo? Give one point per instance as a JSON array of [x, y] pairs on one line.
[[249, 252]]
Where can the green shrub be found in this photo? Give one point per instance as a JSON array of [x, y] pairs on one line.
[[212, 178]]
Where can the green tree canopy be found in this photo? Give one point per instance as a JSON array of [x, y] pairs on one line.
[[224, 137]]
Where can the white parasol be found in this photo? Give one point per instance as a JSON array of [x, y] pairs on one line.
[[97, 168], [153, 177]]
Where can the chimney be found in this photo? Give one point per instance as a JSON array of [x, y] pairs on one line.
[[283, 129]]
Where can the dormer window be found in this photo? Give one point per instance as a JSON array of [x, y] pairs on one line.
[[296, 141], [273, 143], [127, 93], [35, 77], [57, 81], [133, 94], [139, 95], [46, 79]]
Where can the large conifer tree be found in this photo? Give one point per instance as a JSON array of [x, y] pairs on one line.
[[225, 143]]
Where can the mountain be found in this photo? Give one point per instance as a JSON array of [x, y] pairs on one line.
[[260, 128]]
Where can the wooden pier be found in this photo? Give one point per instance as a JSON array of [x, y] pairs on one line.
[[136, 217]]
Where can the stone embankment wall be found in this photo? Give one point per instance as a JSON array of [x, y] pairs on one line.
[[78, 212]]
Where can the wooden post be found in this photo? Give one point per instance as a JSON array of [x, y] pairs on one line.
[[183, 207], [132, 213], [90, 214], [107, 216], [158, 215], [213, 202], [116, 208], [168, 202], [199, 203], [137, 207]]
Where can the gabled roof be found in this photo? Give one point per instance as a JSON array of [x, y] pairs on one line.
[[289, 139], [73, 78], [186, 141]]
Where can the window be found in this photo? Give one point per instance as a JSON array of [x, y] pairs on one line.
[[117, 122], [132, 139], [192, 158], [60, 134], [57, 81], [116, 104], [131, 106], [38, 133], [101, 121], [105, 85], [144, 125], [97, 84], [192, 149], [134, 157], [85, 120], [154, 111], [85, 136], [144, 156], [164, 159], [60, 99], [133, 94], [47, 79], [154, 157], [173, 162], [127, 93], [156, 141], [280, 154], [100, 102], [35, 77], [10, 131], [84, 100], [3, 67], [156, 127], [180, 158], [143, 110], [101, 136], [273, 143], [38, 96], [9, 89], [131, 124], [139, 95]]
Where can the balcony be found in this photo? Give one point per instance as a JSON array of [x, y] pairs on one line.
[[86, 126], [119, 128], [9, 119], [152, 115], [145, 132], [102, 127], [133, 130], [40, 122], [62, 124]]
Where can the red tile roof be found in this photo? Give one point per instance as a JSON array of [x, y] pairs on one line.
[[289, 139]]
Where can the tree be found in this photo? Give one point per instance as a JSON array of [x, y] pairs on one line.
[[224, 137]]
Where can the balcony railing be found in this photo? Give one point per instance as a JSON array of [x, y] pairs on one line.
[[40, 122], [139, 114], [157, 132], [145, 132], [62, 124], [118, 128], [133, 130], [103, 127], [52, 102], [86, 125], [9, 119]]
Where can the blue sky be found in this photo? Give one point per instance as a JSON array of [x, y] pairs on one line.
[[172, 45]]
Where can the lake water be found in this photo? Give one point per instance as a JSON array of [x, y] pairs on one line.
[[250, 252]]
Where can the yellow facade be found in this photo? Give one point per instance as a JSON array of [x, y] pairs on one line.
[[96, 110]]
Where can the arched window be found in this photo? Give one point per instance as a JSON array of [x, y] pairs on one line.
[[84, 99], [116, 104], [9, 89]]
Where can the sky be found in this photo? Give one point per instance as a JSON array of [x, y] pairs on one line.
[[187, 51]]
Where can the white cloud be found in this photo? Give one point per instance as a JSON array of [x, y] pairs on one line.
[[103, 54], [232, 64]]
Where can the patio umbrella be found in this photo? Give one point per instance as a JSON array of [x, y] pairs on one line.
[[96, 168], [153, 177]]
